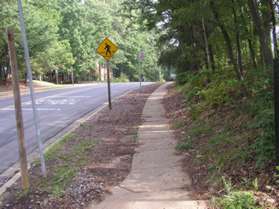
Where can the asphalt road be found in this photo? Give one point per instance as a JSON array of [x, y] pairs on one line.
[[57, 110]]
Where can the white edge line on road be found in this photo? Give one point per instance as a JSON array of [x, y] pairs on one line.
[[13, 171]]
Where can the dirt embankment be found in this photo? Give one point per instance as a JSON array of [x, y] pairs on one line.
[[204, 142]]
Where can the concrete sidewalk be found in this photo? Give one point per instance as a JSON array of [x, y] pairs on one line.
[[156, 180]]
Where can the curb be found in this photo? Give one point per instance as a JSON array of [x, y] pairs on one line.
[[13, 171]]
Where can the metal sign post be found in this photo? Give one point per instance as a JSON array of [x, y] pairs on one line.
[[109, 89], [30, 79], [141, 59], [107, 49]]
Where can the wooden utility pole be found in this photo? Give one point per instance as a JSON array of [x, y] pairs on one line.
[[18, 111], [109, 90]]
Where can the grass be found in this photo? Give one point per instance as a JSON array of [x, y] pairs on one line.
[[230, 137], [61, 178], [178, 124], [196, 131], [64, 160]]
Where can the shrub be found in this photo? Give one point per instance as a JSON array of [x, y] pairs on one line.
[[123, 79], [237, 200], [221, 92]]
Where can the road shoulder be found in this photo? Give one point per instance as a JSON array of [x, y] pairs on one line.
[[106, 142]]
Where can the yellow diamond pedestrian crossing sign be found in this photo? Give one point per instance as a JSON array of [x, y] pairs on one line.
[[107, 49]]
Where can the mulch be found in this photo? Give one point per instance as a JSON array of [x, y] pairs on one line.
[[176, 110], [111, 158]]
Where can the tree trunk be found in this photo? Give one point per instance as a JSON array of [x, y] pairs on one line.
[[252, 53], [264, 45], [249, 39], [237, 39], [227, 39], [274, 35], [205, 37], [211, 55]]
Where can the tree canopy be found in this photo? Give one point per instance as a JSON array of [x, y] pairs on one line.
[[234, 34], [63, 36]]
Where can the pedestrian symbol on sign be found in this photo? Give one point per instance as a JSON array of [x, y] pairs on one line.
[[107, 49]]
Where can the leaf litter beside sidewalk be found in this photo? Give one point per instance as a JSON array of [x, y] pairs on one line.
[[86, 163], [204, 141]]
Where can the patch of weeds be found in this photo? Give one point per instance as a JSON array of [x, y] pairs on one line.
[[56, 184], [83, 146], [262, 110], [264, 145], [64, 159], [177, 124], [220, 138], [135, 137], [185, 145], [79, 151], [51, 153], [197, 130], [240, 155], [85, 126], [237, 200], [200, 129], [22, 194], [276, 175], [196, 110]]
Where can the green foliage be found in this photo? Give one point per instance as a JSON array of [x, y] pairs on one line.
[[261, 108], [277, 174], [199, 129], [68, 155], [232, 127], [64, 35], [212, 89], [184, 146], [62, 177], [221, 92], [122, 78], [237, 200], [178, 124], [264, 145], [196, 131]]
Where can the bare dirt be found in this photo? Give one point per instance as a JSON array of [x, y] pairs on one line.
[[115, 133], [6, 88], [175, 109]]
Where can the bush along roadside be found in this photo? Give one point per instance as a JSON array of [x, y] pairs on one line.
[[225, 130]]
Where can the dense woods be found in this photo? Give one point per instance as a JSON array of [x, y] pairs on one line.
[[225, 55], [225, 49], [238, 34], [64, 35]]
